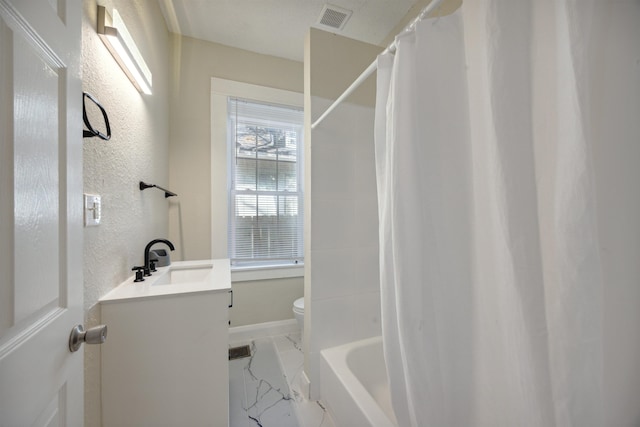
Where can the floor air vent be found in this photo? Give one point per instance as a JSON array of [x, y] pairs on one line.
[[239, 352], [334, 16]]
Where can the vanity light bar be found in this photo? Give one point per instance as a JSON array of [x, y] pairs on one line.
[[117, 39]]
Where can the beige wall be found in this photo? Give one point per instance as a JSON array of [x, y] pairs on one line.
[[264, 300], [138, 150], [194, 63], [336, 61]]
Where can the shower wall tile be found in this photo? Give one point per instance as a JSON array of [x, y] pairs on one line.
[[345, 319], [338, 127], [332, 224], [340, 183], [367, 315], [365, 171], [333, 272], [334, 318], [345, 272], [366, 262], [344, 288], [366, 226], [363, 125]]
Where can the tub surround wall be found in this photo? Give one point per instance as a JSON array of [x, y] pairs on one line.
[[342, 299], [344, 269], [138, 150]]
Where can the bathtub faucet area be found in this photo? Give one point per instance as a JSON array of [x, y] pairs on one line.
[[147, 268]]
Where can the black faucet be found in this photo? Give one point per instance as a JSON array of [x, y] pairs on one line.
[[147, 269]]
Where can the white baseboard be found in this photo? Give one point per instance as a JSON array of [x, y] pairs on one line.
[[244, 334]]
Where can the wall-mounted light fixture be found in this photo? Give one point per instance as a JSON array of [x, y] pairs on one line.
[[115, 36]]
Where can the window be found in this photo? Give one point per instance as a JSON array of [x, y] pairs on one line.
[[265, 185]]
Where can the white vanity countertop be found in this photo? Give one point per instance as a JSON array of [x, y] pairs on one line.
[[218, 281]]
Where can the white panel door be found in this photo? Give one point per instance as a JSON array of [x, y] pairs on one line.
[[41, 381]]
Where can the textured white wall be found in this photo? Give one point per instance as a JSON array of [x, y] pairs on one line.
[[138, 150]]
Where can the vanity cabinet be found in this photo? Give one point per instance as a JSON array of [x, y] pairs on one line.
[[165, 361]]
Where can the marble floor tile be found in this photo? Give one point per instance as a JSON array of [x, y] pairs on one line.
[[266, 388], [259, 393], [311, 413], [237, 396], [268, 396]]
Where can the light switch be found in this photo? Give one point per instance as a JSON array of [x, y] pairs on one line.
[[92, 210]]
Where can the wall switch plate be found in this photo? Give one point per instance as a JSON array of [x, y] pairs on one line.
[[92, 210]]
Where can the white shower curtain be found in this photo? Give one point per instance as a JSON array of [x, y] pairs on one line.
[[490, 273]]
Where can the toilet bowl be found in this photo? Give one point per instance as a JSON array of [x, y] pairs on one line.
[[298, 313]]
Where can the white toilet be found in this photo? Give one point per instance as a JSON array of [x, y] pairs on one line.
[[298, 313]]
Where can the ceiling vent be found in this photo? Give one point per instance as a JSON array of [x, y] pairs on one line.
[[334, 17]]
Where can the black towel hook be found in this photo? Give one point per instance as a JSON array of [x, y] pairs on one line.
[[92, 131]]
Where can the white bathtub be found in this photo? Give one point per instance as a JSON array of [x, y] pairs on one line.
[[354, 384]]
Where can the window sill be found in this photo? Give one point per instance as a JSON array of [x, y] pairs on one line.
[[252, 273]]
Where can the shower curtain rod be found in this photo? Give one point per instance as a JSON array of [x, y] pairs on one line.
[[374, 65]]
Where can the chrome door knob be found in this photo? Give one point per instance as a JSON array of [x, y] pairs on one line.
[[95, 335]]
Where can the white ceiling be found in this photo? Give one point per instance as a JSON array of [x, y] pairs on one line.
[[278, 27]]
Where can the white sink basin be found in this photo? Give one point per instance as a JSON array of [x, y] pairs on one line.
[[185, 274]]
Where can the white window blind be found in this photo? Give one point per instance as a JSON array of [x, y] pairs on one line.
[[265, 194]]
